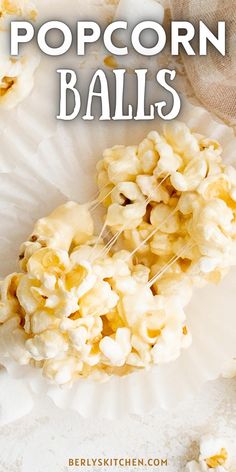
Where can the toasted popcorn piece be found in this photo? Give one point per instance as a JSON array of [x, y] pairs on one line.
[[12, 341], [98, 301], [209, 144], [124, 191], [162, 244], [29, 299], [62, 302], [27, 249], [148, 156], [59, 274], [16, 78], [214, 455], [67, 224], [210, 226], [137, 302], [34, 296], [120, 210], [126, 217], [149, 328], [84, 335], [162, 213], [157, 327], [103, 182], [191, 177], [62, 371], [174, 335], [215, 186], [115, 266], [141, 273], [134, 360], [9, 305], [152, 189], [116, 350], [48, 263], [125, 285], [142, 351], [168, 161], [92, 324], [177, 285], [78, 338], [168, 347], [139, 239], [42, 320], [80, 279], [179, 136], [210, 448], [103, 265], [46, 345], [16, 73], [23, 8], [189, 202], [112, 321], [122, 163]]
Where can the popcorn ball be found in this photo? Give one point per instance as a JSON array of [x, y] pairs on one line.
[[84, 305], [172, 201], [76, 310], [214, 456]]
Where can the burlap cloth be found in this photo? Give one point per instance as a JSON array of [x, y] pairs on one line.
[[213, 78]]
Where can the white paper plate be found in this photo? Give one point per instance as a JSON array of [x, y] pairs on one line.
[[64, 168]]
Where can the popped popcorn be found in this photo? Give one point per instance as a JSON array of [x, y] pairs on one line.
[[184, 198], [23, 8], [84, 308], [75, 310], [67, 225], [16, 73], [214, 456]]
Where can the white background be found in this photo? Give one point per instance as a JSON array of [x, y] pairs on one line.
[[45, 439]]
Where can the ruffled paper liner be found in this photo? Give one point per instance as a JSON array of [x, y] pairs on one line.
[[162, 386], [64, 168], [34, 119]]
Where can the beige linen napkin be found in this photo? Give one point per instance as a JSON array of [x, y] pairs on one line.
[[213, 78]]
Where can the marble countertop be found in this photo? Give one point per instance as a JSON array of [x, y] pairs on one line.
[[44, 440]]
